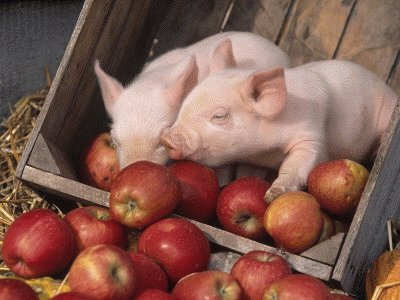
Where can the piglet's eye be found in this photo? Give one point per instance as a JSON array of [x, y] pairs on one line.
[[220, 119]]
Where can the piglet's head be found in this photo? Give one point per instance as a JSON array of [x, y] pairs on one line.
[[226, 117], [142, 110]]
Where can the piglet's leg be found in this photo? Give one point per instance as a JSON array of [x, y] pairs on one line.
[[300, 160]]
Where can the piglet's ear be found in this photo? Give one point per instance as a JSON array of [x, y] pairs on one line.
[[222, 57], [184, 82], [110, 88], [265, 92]]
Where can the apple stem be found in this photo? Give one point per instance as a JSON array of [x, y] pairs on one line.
[[242, 219]]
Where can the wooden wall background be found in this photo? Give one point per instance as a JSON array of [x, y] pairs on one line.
[[364, 31]]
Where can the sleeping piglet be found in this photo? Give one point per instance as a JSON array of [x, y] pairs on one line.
[[148, 105], [286, 119]]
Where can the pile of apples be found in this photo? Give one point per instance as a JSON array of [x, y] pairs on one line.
[[295, 221], [171, 256], [169, 261]]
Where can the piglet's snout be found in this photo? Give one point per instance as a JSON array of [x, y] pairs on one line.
[[173, 143]]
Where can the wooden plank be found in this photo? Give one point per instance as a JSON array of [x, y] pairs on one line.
[[63, 187], [56, 82], [367, 236], [264, 17], [41, 157], [394, 78], [314, 29], [123, 27], [372, 37], [244, 245], [327, 251], [189, 22]]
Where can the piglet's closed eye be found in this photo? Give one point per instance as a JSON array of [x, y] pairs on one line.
[[265, 92]]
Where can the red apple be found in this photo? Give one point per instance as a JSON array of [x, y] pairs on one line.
[[98, 162], [213, 285], [143, 193], [256, 270], [177, 245], [70, 296], [149, 273], [154, 294], [200, 190], [241, 207], [92, 225], [103, 272], [294, 220], [15, 289], [38, 243], [299, 287], [338, 185]]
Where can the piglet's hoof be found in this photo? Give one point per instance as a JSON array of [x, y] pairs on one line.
[[272, 194]]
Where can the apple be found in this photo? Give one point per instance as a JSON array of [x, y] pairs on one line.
[[143, 193], [212, 284], [199, 187], [98, 162], [328, 229], [256, 270], [93, 225], [70, 296], [294, 220], [38, 243], [338, 185], [149, 273], [15, 289], [154, 294], [103, 272], [179, 246], [241, 207], [299, 287]]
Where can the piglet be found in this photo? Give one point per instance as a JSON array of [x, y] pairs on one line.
[[142, 110], [285, 119]]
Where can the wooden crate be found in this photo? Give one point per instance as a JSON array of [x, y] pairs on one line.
[[121, 34]]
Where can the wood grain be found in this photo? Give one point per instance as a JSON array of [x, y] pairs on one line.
[[394, 78], [264, 17], [367, 236], [372, 37], [314, 29], [188, 22]]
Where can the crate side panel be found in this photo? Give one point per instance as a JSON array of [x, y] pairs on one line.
[[48, 104], [84, 109], [309, 34], [372, 37], [367, 236], [264, 17]]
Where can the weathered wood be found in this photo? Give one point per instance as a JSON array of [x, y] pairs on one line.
[[314, 29], [367, 236], [41, 157], [188, 22], [243, 245], [56, 82], [223, 261], [326, 251], [63, 187], [372, 37], [394, 79], [264, 17]]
